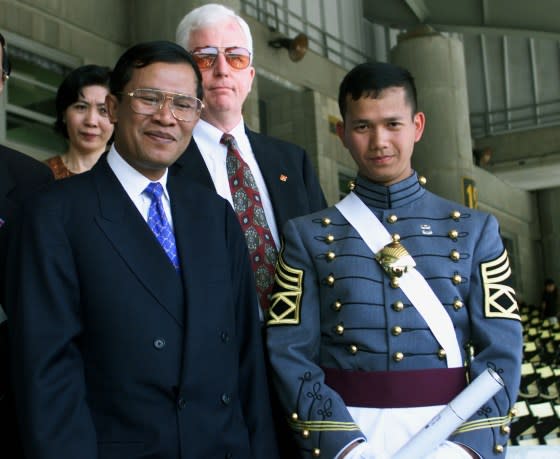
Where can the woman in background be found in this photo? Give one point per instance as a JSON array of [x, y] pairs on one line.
[[81, 117]]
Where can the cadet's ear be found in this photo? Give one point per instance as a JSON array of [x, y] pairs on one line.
[[340, 131], [420, 123]]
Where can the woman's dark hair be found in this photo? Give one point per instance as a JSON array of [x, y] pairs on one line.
[[71, 87], [6, 65]]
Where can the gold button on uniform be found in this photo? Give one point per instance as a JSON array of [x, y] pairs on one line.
[[398, 356], [392, 218], [329, 239], [316, 452], [453, 234], [441, 354], [396, 330], [294, 416], [455, 255], [330, 279], [395, 282], [498, 449], [339, 329], [457, 279], [398, 306], [455, 215], [505, 430], [331, 256], [337, 305], [457, 304], [326, 221], [353, 349], [305, 433], [422, 180]]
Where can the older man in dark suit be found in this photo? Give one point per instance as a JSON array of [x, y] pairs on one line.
[[138, 323], [222, 45], [20, 176]]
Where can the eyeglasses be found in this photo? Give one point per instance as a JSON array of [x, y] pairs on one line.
[[238, 58], [151, 101]]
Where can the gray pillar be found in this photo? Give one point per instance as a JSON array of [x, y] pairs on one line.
[[444, 155], [549, 215]]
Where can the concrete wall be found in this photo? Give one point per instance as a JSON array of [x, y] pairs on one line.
[[517, 213], [96, 31]]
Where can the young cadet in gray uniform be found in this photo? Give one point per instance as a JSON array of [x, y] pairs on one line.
[[364, 356]]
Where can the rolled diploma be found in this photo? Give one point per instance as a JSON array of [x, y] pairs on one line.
[[461, 408]]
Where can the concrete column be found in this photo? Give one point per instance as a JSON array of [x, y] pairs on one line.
[[444, 155], [549, 215]]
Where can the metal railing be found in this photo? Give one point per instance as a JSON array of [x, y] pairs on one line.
[[283, 20], [515, 118]]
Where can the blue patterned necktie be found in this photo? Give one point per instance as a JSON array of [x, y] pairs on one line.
[[158, 223]]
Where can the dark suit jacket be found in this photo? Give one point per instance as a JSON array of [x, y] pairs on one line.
[[299, 194], [20, 176], [121, 357]]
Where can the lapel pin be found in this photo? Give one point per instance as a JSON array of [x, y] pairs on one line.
[[283, 177]]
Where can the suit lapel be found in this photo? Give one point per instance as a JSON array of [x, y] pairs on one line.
[[132, 238], [192, 164], [273, 170]]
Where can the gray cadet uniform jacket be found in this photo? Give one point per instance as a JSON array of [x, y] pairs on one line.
[[337, 324]]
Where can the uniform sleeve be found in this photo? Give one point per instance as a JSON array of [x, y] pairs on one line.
[[45, 326], [496, 339], [316, 414]]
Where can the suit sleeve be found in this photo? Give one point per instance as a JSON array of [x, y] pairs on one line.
[[314, 191], [496, 337], [317, 415], [252, 382], [45, 328]]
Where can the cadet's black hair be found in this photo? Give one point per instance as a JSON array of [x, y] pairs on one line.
[[371, 79]]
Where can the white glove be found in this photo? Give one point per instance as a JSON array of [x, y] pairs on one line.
[[365, 451], [449, 450]]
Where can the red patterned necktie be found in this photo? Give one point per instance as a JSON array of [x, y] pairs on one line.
[[248, 206]]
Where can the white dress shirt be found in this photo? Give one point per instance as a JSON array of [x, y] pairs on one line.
[[207, 138], [134, 183]]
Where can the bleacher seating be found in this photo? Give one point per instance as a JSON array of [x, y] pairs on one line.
[[537, 419]]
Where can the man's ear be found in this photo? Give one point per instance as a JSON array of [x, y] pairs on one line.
[[112, 104], [340, 131]]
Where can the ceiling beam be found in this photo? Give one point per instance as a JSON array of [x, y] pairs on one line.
[[419, 8]]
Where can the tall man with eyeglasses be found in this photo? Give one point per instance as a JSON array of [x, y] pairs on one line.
[[137, 325], [221, 44], [20, 176]]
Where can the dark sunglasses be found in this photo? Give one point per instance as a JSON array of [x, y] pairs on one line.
[[238, 58]]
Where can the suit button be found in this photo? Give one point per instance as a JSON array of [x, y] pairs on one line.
[[398, 356], [224, 336], [398, 306], [181, 403], [396, 330], [226, 399], [159, 343]]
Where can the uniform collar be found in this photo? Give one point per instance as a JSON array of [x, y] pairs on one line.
[[389, 197]]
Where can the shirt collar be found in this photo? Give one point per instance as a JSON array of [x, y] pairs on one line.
[[132, 181], [207, 134]]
